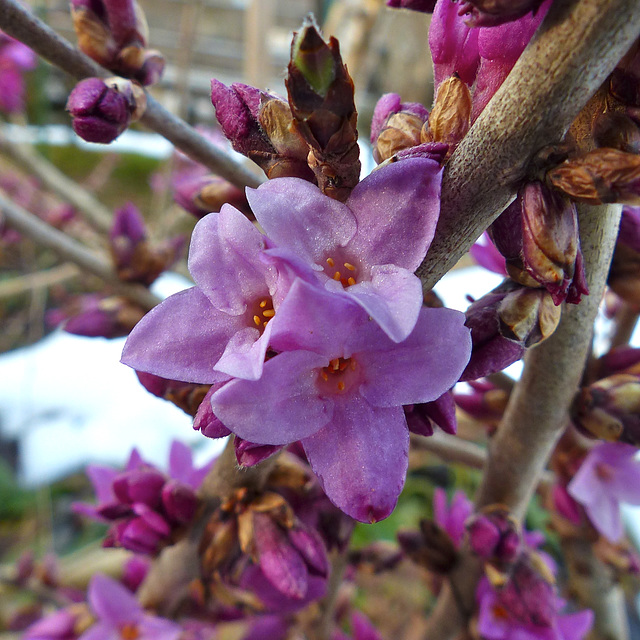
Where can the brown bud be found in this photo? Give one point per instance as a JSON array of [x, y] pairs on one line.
[[451, 116], [528, 315], [602, 175], [431, 547], [401, 131], [616, 131]]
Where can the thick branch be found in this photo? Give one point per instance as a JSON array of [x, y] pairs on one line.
[[69, 249], [576, 48], [536, 415], [18, 22]]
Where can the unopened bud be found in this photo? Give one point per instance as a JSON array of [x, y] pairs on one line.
[[609, 409], [528, 316], [188, 396], [616, 131], [450, 118], [425, 6], [430, 548], [494, 535], [179, 501], [321, 96], [103, 109], [490, 13], [600, 176]]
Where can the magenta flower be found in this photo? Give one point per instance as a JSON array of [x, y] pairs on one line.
[[338, 386], [365, 249], [609, 475], [120, 615], [451, 518], [220, 327], [15, 58], [496, 622]]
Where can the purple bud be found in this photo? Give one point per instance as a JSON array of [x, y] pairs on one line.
[[425, 6], [206, 421], [179, 501], [491, 13], [310, 546], [139, 486], [249, 454], [565, 505], [134, 572], [100, 111], [484, 536], [432, 150]]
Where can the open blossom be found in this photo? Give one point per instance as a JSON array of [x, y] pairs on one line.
[[338, 385], [220, 327], [608, 476], [365, 249]]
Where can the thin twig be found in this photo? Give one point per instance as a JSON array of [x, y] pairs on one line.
[[69, 249], [536, 415], [576, 48], [39, 280], [69, 190], [626, 320], [18, 22]]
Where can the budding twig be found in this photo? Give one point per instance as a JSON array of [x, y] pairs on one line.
[[69, 249], [537, 413], [18, 22], [574, 50]]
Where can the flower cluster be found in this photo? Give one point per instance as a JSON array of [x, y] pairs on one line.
[[316, 331]]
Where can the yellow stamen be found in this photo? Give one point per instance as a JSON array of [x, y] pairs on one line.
[[337, 275], [335, 364], [265, 323], [330, 262], [351, 280], [341, 385], [349, 266], [263, 304], [269, 313], [257, 320]]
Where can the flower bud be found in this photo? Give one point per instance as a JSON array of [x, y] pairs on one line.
[[179, 501], [494, 535], [395, 126], [602, 175], [103, 109], [95, 316], [486, 403], [188, 396], [423, 418], [616, 131], [451, 115], [490, 13], [425, 6], [248, 454], [321, 96], [565, 505], [430, 548], [609, 409]]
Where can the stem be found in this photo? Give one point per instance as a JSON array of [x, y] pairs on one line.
[[625, 321], [24, 26], [69, 249], [577, 46], [536, 415], [92, 209], [39, 280]]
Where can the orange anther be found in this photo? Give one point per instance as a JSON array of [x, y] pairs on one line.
[[325, 375], [257, 320], [349, 266], [351, 281], [337, 275], [263, 304], [341, 385], [330, 262], [269, 313]]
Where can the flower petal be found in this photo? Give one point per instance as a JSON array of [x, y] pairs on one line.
[[397, 209], [113, 603], [393, 298], [423, 367], [181, 339], [281, 407], [244, 354], [224, 260], [361, 458], [296, 214]]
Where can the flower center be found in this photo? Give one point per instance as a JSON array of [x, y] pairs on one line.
[[339, 376], [341, 270], [129, 632], [260, 312]]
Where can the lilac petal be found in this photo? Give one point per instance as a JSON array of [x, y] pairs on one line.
[[442, 411], [180, 461], [151, 519], [98, 631], [57, 625], [181, 339], [282, 406], [295, 214], [280, 562], [313, 319], [224, 260], [397, 209], [310, 546], [153, 628], [113, 604], [244, 354], [575, 626], [424, 366], [141, 485], [102, 480], [361, 458], [392, 298]]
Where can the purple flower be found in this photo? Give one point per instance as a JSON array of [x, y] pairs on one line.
[[496, 622], [221, 327], [60, 625], [451, 518], [484, 252], [338, 386], [120, 615], [365, 249], [609, 475], [15, 58]]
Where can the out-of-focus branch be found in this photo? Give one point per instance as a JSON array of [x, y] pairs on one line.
[[39, 280], [18, 22], [625, 322], [92, 209], [577, 46], [536, 415], [69, 249]]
